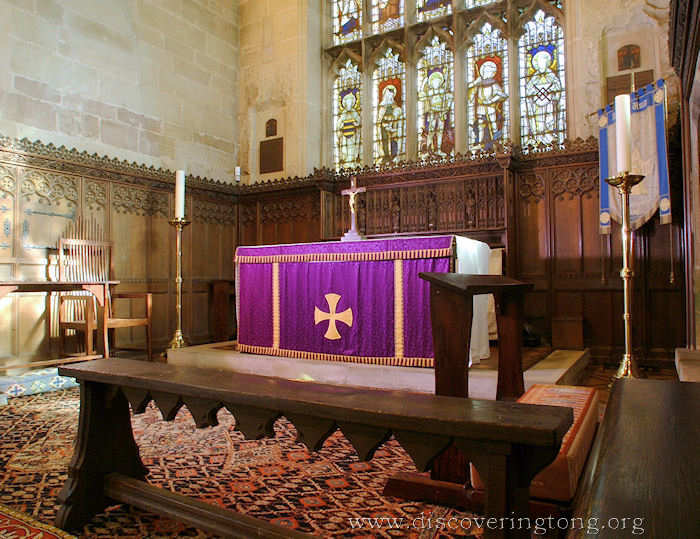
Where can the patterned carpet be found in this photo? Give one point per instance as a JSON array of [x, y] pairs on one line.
[[273, 479]]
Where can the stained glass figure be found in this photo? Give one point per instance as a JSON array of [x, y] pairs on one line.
[[346, 19], [435, 100], [487, 90], [477, 3], [386, 15], [347, 111], [542, 82], [389, 109], [429, 9]]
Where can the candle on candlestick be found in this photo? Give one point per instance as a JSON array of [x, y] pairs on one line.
[[180, 194], [623, 133]]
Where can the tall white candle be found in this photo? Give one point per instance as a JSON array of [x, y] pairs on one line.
[[180, 194], [238, 174], [623, 133]]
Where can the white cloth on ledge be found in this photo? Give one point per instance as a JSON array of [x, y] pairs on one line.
[[473, 258]]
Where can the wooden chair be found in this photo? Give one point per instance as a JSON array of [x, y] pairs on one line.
[[85, 255]]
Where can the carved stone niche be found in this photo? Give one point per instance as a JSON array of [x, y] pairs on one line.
[[271, 128]]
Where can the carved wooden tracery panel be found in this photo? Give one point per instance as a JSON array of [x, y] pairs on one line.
[[575, 182]]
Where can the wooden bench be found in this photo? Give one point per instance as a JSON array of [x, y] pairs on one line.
[[644, 463], [509, 442]]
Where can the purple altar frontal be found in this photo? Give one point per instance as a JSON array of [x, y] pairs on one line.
[[341, 301]]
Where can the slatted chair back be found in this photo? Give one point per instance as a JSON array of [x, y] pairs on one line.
[[84, 254]]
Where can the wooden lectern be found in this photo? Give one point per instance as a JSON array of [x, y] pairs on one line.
[[451, 306]]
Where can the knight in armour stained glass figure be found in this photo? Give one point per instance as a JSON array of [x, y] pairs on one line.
[[435, 101], [487, 89], [488, 96], [437, 114]]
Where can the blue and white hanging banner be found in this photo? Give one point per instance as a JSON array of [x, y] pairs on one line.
[[649, 158]]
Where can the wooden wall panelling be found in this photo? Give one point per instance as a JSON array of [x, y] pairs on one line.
[[248, 223], [8, 305], [213, 227], [533, 250], [48, 203], [135, 253], [542, 207], [277, 216], [8, 197], [663, 299], [42, 188], [161, 271]]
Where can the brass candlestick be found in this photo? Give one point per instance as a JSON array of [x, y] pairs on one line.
[[624, 183], [178, 341]]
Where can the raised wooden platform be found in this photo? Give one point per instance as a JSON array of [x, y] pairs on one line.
[[559, 367]]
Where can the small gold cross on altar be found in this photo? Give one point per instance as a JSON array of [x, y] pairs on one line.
[[352, 234]]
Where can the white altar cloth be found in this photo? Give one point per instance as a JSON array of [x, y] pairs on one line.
[[473, 258]]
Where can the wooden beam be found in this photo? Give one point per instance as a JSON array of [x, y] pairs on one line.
[[201, 515]]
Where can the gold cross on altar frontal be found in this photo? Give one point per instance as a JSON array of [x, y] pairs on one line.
[[320, 316]]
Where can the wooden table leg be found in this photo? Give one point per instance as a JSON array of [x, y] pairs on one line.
[[101, 293], [505, 497], [105, 444], [451, 319], [509, 317]]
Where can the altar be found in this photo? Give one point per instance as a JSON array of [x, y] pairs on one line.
[[358, 301]]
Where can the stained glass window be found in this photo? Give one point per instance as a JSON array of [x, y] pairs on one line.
[[347, 116], [386, 15], [346, 20], [389, 98], [542, 82], [487, 90], [428, 9], [477, 3], [435, 100]]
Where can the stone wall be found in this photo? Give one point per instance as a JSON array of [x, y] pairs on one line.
[[281, 79], [151, 81]]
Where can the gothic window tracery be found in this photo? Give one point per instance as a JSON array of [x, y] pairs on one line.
[[401, 57]]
